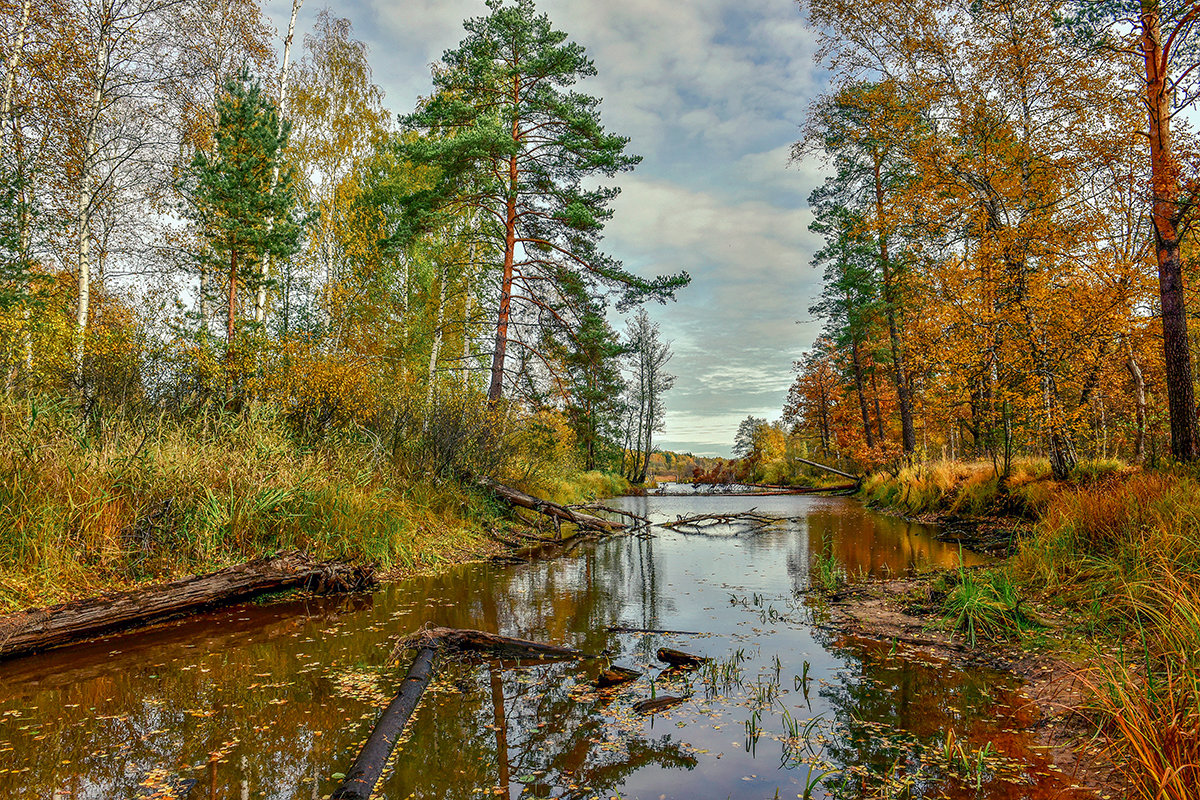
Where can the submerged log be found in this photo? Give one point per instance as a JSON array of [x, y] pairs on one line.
[[555, 511], [56, 626], [615, 676], [657, 704], [361, 779], [679, 659], [465, 640]]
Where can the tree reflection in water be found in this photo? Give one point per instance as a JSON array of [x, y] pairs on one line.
[[271, 700]]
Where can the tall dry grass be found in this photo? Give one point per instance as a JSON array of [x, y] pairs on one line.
[[1149, 699], [1123, 556], [83, 513]]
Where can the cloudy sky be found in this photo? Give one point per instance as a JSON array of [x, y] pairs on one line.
[[712, 93]]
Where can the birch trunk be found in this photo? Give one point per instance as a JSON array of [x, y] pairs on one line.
[[10, 70], [260, 299], [435, 349]]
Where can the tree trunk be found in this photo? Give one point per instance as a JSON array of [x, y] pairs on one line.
[[10, 71], [360, 780], [1176, 355], [435, 349], [860, 388], [878, 409], [496, 389], [908, 434], [518, 498], [260, 299], [87, 196], [231, 324], [43, 629], [1139, 399]]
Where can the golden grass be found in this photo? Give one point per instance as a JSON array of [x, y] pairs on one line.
[[81, 516], [1149, 703]]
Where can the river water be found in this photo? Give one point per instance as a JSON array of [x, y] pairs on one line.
[[274, 699]]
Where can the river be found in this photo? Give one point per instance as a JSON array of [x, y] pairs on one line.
[[273, 699]]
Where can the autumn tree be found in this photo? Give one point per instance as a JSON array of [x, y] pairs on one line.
[[866, 130], [508, 138], [1007, 131], [338, 119], [243, 212]]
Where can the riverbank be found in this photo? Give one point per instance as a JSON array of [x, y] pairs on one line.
[[907, 613], [1101, 584], [118, 509]]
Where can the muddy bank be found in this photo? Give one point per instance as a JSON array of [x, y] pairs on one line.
[[906, 613]]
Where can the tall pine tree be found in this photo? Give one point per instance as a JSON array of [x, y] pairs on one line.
[[508, 138]]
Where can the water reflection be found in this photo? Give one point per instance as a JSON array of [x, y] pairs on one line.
[[271, 700]]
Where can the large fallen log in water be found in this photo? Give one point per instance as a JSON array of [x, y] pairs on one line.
[[360, 781], [515, 497], [56, 626]]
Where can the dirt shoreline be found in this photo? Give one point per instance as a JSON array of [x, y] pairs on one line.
[[890, 611]]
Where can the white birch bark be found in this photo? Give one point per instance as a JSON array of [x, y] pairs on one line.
[[10, 69], [260, 299]]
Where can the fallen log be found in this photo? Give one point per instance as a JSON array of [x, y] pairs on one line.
[[547, 508], [465, 640], [679, 659], [361, 779], [60, 625]]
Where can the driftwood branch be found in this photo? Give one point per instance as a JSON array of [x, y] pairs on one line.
[[750, 521], [56, 626], [465, 640], [610, 510], [515, 497]]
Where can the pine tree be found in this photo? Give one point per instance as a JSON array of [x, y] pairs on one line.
[[507, 137], [243, 214], [594, 374]]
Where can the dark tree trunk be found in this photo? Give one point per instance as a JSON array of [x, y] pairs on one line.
[[496, 389], [1139, 401], [360, 781], [908, 433], [1166, 214], [860, 387]]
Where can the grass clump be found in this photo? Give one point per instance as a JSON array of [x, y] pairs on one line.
[[1150, 701], [985, 605]]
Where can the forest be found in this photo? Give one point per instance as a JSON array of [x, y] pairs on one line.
[[1007, 234], [251, 315], [234, 283]]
